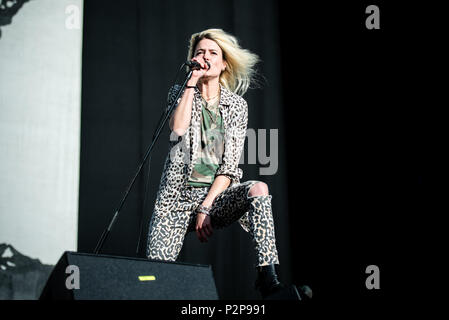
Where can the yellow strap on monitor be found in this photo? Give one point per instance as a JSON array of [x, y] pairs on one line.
[[147, 278]]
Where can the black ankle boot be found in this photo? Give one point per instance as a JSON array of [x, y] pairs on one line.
[[270, 288], [267, 280]]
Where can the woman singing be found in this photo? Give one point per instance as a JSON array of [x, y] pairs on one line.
[[200, 188]]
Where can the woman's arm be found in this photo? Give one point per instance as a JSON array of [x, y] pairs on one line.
[[203, 226], [218, 186], [180, 119], [234, 144]]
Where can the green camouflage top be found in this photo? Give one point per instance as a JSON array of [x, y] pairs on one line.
[[211, 148]]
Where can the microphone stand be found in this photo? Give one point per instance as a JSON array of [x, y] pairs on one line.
[[150, 148]]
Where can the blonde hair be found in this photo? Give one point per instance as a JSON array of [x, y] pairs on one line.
[[240, 71]]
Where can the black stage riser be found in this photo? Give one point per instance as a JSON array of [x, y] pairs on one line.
[[105, 277]]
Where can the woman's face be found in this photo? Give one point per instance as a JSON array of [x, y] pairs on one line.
[[210, 51]]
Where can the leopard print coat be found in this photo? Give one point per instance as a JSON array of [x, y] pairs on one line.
[[183, 149]]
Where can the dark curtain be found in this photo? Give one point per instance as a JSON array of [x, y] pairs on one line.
[[351, 96], [329, 91]]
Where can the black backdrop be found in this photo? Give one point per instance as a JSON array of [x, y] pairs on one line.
[[345, 179]]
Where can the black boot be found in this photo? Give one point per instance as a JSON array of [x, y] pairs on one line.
[[267, 281], [270, 288]]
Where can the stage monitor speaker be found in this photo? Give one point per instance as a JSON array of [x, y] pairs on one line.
[[82, 276]]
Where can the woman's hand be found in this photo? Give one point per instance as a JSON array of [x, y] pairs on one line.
[[197, 74], [203, 227], [203, 224]]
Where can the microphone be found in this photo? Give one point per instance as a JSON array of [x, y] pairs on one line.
[[195, 65]]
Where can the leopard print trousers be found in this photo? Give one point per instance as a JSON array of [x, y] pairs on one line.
[[167, 233]]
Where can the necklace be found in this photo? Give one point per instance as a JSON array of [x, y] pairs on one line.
[[208, 100], [208, 104], [211, 101]]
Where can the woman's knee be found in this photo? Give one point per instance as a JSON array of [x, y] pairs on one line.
[[258, 189]]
